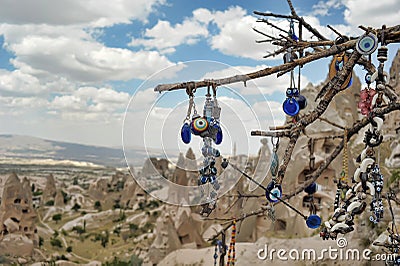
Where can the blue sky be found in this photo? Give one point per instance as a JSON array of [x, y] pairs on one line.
[[70, 75]]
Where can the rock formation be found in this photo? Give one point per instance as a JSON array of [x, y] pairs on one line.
[[179, 178], [99, 189], [128, 195], [191, 167], [154, 166], [59, 199], [189, 228], [167, 239], [394, 159], [50, 190], [18, 233], [392, 122]]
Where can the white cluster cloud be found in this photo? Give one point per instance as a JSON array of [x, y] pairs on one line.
[[62, 69], [89, 103], [95, 13], [373, 13], [322, 8], [236, 36], [72, 53], [234, 26], [165, 37]]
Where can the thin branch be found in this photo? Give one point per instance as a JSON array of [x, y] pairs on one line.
[[272, 25], [273, 15], [335, 31], [241, 218], [330, 122], [258, 74], [264, 34], [292, 10], [278, 134]]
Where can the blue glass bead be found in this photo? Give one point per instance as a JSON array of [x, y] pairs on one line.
[[295, 92], [203, 179], [185, 133], [313, 221], [213, 170], [291, 107], [289, 92], [302, 101], [311, 189], [273, 192], [218, 137]]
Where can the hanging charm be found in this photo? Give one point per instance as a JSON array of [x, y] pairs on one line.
[[366, 96], [274, 157], [232, 248], [208, 127], [337, 64], [290, 106], [270, 212], [291, 31], [215, 254], [313, 221], [273, 191], [186, 130], [367, 44]]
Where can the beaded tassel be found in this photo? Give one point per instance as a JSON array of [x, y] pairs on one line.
[[215, 254], [232, 251], [345, 169]]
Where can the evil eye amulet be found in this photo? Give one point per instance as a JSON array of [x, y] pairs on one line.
[[289, 92], [313, 221], [203, 179], [367, 44], [273, 192], [199, 125], [291, 107], [185, 133], [368, 78], [295, 92]]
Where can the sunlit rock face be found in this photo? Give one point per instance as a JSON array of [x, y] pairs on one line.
[[18, 233], [394, 159]]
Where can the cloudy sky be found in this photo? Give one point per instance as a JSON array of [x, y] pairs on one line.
[[68, 69]]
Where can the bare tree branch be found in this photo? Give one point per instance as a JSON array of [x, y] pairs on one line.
[[257, 74]]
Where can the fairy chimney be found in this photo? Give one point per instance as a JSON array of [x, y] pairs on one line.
[[59, 199], [98, 189], [18, 233], [50, 190], [392, 121], [167, 239], [189, 229], [128, 195], [191, 167], [176, 194]]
